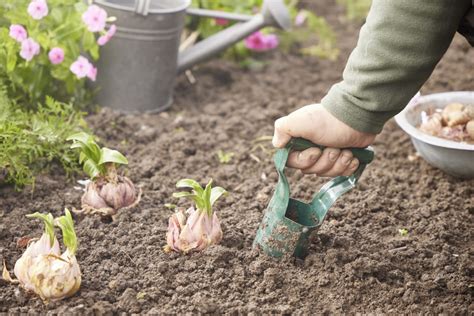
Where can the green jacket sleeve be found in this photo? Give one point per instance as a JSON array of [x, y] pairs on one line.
[[398, 48]]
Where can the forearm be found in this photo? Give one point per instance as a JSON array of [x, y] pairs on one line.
[[398, 48]]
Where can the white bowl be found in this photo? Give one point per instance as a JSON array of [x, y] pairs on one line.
[[454, 158]]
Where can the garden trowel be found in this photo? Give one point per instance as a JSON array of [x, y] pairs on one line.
[[288, 223]]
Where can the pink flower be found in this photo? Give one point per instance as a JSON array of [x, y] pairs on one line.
[[81, 67], [18, 32], [92, 74], [38, 9], [56, 55], [95, 18], [105, 38], [194, 232], [221, 22], [29, 48], [260, 42], [300, 18]]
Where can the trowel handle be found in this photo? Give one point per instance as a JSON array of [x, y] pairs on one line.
[[364, 155]]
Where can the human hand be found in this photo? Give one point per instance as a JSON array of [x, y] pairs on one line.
[[317, 125]]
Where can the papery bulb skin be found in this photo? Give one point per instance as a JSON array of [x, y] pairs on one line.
[[36, 249], [55, 277], [119, 195], [107, 198], [199, 231]]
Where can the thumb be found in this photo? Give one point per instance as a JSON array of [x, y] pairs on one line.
[[281, 135]]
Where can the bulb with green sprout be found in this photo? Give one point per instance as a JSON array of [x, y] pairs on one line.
[[42, 268], [198, 227], [107, 192]]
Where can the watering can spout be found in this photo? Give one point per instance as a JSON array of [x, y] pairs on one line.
[[274, 13]]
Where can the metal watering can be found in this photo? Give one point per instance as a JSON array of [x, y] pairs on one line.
[[138, 67], [288, 223]]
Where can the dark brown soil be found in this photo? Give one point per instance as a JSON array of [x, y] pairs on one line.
[[358, 261]]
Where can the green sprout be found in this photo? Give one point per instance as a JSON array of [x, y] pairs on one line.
[[403, 232], [204, 198], [48, 224], [95, 160], [224, 157], [66, 224]]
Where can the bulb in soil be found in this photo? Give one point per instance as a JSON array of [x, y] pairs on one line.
[[43, 270], [107, 198], [194, 231], [55, 277], [41, 247]]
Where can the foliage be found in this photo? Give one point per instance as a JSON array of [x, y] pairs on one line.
[[403, 232], [31, 140], [204, 198], [66, 223], [312, 26], [356, 9], [29, 82], [224, 157], [93, 158]]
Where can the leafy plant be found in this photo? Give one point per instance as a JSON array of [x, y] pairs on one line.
[[31, 141], [224, 157], [403, 232], [204, 198], [95, 160], [198, 227], [40, 51], [108, 191]]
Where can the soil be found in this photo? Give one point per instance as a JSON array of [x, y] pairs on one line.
[[358, 261]]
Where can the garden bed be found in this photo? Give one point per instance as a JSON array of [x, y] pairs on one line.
[[358, 260]]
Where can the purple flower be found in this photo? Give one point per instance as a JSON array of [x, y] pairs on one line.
[[221, 21], [18, 32], [81, 67], [105, 38], [56, 55], [95, 18], [29, 48], [92, 74], [260, 42], [38, 9], [300, 18]]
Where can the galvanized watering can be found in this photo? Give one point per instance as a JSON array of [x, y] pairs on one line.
[[138, 67], [288, 223]]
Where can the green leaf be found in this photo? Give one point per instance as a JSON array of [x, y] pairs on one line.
[[207, 198], [216, 193], [81, 137], [190, 183], [109, 155], [199, 202], [66, 224], [48, 224], [92, 169]]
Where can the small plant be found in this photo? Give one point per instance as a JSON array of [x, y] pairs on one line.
[[31, 141], [198, 227], [42, 268], [403, 232], [224, 157], [107, 192]]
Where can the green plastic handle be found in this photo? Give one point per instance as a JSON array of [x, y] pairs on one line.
[[364, 155]]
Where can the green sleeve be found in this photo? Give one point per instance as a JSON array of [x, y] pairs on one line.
[[398, 48]]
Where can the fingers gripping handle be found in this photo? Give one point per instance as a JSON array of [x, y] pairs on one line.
[[364, 155]]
